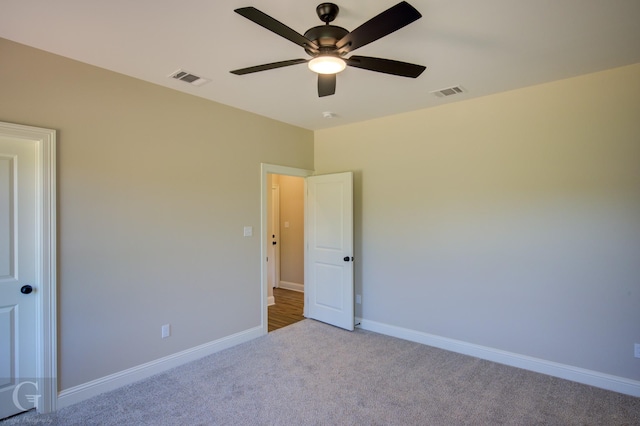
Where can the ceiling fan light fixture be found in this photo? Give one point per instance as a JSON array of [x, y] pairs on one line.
[[327, 64], [328, 44]]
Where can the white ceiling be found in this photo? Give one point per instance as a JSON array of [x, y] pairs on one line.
[[485, 46]]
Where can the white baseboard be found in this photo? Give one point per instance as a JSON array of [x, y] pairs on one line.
[[113, 381], [271, 300], [563, 371], [291, 286]]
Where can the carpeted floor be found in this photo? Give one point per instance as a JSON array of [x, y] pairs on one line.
[[313, 374]]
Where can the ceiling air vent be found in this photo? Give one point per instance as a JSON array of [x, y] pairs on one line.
[[449, 91], [187, 77]]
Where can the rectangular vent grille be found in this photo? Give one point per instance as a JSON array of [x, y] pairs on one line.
[[188, 77], [449, 91]]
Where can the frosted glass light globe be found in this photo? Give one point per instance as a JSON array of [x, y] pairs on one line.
[[327, 65]]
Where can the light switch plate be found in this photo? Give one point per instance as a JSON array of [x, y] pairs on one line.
[[248, 231]]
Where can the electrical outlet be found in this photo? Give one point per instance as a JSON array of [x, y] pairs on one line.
[[636, 350], [166, 331], [358, 299]]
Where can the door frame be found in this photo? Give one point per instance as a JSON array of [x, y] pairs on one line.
[[274, 213], [266, 169], [46, 297]]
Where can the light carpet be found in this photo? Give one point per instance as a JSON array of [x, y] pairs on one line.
[[314, 374]]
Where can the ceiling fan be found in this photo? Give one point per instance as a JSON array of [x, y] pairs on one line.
[[328, 44]]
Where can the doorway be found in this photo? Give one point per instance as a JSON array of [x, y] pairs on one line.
[[285, 250], [289, 280], [328, 241]]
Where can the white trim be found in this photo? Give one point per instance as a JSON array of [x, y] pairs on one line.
[[563, 371], [114, 381], [46, 322], [292, 286], [275, 212], [271, 300], [266, 169]]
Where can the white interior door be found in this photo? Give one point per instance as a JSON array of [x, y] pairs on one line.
[[18, 207], [329, 245]]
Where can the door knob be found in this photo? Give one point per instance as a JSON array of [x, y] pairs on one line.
[[347, 258], [26, 289]]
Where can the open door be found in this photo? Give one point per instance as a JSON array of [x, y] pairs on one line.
[[329, 249]]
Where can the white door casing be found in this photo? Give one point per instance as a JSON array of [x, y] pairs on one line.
[[329, 249], [274, 238], [27, 257]]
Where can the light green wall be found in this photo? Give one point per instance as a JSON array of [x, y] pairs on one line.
[[510, 221], [154, 189]]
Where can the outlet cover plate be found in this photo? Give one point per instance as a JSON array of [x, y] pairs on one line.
[[636, 350]]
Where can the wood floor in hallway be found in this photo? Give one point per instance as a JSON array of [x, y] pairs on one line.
[[287, 310]]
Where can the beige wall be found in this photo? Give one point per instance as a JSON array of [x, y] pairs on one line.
[[154, 189], [510, 221], [292, 237]]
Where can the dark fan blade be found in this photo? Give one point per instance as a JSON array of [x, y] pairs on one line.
[[277, 27], [387, 66], [270, 66], [326, 84], [390, 20]]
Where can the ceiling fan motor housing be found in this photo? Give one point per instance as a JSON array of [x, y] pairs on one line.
[[325, 36], [327, 12]]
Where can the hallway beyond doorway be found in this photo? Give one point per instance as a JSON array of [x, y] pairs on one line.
[[287, 309]]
